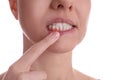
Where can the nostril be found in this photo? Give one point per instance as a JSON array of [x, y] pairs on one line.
[[70, 7], [60, 6]]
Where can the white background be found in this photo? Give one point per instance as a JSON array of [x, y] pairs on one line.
[[99, 53]]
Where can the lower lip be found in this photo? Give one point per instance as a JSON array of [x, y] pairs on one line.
[[64, 32]]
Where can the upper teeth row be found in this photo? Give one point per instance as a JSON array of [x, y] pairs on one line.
[[59, 26]]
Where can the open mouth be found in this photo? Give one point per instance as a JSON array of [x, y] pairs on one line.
[[60, 27]]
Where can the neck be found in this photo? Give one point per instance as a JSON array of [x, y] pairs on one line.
[[57, 66]]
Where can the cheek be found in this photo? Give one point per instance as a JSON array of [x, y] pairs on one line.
[[33, 31], [83, 9], [31, 19], [32, 22], [82, 12]]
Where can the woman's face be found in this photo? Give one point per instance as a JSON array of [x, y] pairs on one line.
[[40, 17]]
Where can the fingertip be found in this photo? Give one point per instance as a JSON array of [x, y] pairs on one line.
[[44, 75], [55, 35]]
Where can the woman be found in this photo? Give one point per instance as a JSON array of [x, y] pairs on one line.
[[51, 30]]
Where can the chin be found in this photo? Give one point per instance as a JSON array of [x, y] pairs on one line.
[[61, 47], [65, 44]]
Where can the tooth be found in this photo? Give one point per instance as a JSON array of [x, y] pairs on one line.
[[57, 28], [50, 27], [66, 26], [53, 27], [61, 27]]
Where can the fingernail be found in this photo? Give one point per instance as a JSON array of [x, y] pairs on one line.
[[55, 35], [44, 75]]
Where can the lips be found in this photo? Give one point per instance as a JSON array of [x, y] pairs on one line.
[[60, 25]]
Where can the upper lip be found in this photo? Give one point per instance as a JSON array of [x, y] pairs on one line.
[[61, 20]]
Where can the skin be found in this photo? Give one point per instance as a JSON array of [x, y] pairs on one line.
[[48, 56]]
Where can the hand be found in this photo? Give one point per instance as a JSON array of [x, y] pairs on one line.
[[20, 70]]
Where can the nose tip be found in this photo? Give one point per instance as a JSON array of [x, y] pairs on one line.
[[62, 4]]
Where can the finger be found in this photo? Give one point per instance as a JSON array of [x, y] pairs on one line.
[[24, 63], [34, 75]]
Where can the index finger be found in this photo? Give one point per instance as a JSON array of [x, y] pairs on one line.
[[29, 57]]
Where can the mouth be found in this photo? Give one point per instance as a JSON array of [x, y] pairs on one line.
[[61, 25]]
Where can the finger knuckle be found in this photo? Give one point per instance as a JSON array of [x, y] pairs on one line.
[[13, 68]]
